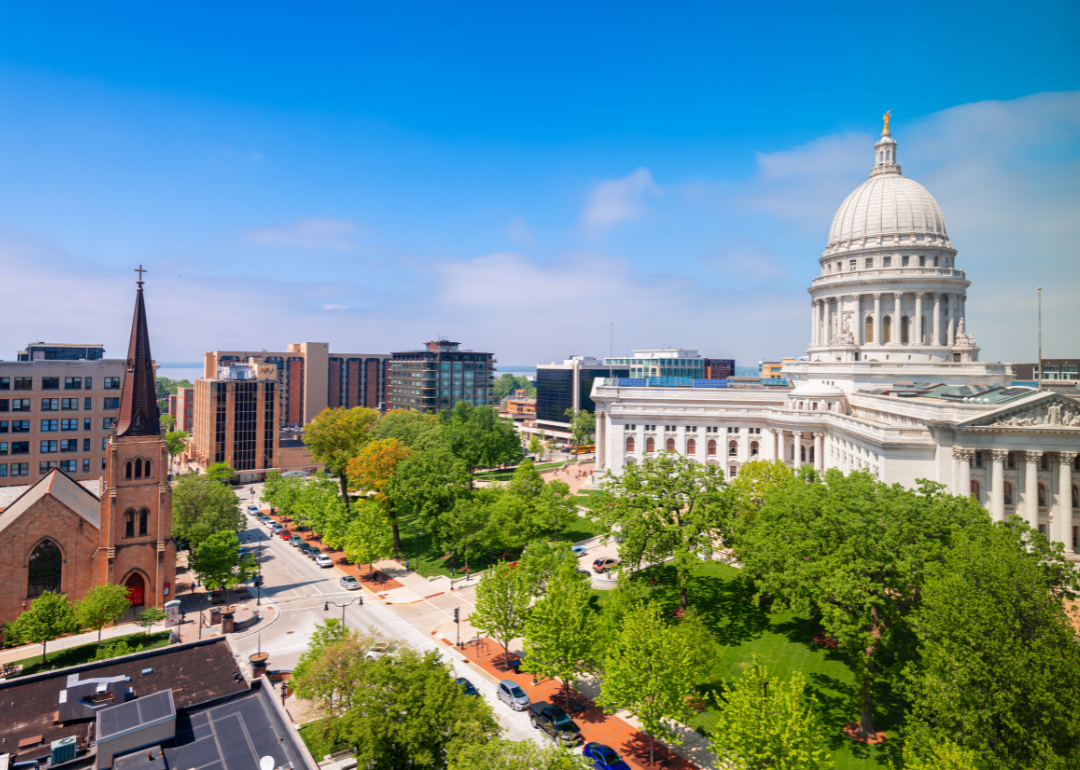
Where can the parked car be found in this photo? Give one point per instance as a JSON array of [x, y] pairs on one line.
[[603, 757], [305, 549], [470, 689], [585, 572], [324, 561], [275, 527], [296, 541], [313, 552], [253, 509], [578, 550], [555, 723], [349, 583], [603, 564], [284, 534], [512, 695], [377, 652]]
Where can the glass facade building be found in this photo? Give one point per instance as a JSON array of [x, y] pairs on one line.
[[439, 376]]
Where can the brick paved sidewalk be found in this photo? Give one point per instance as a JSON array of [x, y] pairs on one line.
[[595, 725]]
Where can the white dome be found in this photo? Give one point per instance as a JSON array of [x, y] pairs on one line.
[[815, 390], [888, 204]]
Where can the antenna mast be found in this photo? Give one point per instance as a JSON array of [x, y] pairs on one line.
[[1039, 378]]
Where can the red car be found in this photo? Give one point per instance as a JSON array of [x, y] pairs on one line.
[[285, 535]]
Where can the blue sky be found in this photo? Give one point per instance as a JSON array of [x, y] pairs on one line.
[[518, 177]]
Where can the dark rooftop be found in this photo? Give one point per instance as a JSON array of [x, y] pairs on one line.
[[195, 673]]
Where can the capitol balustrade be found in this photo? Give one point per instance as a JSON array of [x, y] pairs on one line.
[[854, 276]]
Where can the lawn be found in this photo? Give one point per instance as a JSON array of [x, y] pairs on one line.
[[784, 643], [426, 557], [592, 498], [507, 473], [74, 656]]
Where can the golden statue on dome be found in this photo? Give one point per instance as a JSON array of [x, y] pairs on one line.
[[888, 115]]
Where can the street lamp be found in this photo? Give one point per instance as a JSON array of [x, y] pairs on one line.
[[326, 606], [258, 577]]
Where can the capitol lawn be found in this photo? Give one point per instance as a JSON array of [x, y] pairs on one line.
[[784, 643]]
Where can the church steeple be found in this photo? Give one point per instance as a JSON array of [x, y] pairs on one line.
[[138, 414]]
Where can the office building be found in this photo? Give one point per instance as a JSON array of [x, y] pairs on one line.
[[59, 351], [664, 362], [568, 386], [236, 418], [719, 368], [440, 375], [183, 408], [1054, 374], [311, 378], [56, 412]]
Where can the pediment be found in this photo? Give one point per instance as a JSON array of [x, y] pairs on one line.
[[1050, 411]]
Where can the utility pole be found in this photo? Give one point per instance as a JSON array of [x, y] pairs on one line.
[[1039, 378]]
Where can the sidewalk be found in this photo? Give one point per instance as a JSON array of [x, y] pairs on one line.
[[617, 731]]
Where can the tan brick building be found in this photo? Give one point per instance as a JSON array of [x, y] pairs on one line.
[[67, 536]]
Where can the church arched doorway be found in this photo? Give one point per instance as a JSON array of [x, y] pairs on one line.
[[136, 587]]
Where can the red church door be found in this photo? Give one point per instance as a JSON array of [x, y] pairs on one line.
[[136, 588]]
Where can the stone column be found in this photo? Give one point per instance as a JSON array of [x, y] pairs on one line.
[[796, 452], [963, 470], [937, 318], [997, 484], [819, 452], [877, 318], [1063, 513], [813, 322], [896, 318], [601, 441], [1031, 488], [950, 331], [963, 311], [918, 318]]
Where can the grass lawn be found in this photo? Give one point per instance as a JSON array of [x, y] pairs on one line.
[[426, 558], [75, 656], [591, 498], [508, 473], [783, 642], [316, 740]]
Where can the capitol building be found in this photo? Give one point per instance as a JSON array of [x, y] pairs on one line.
[[891, 383]]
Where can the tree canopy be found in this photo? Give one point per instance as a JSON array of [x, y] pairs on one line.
[[582, 427], [560, 633], [102, 605], [336, 436], [371, 472], [502, 605], [503, 754], [480, 437], [202, 507], [219, 472], [507, 383], [218, 563], [176, 441], [368, 536], [50, 616]]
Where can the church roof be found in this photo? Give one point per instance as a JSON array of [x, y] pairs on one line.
[[60, 486], [138, 415]]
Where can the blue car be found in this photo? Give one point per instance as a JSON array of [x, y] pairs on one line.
[[470, 689], [578, 550], [603, 757]]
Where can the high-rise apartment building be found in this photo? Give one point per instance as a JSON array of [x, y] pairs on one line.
[[56, 411], [310, 378], [185, 409], [236, 419], [438, 376]]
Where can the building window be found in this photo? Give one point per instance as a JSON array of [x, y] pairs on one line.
[[975, 490], [107, 422], [89, 380], [754, 449], [691, 447], [629, 445], [732, 449], [669, 445], [110, 403], [48, 426], [650, 445], [88, 403], [1010, 460], [20, 469], [711, 447], [853, 265], [129, 523], [905, 324], [904, 261], [886, 261], [86, 465], [69, 445], [1008, 493], [50, 383], [44, 467], [127, 470], [978, 459], [44, 567], [144, 518], [104, 443], [47, 447], [23, 383], [5, 383], [50, 405], [69, 404], [3, 469], [73, 383], [111, 383], [86, 445], [69, 466], [869, 329], [869, 263], [3, 447], [20, 448], [69, 424], [733, 471], [1076, 497], [86, 424], [1044, 462], [1042, 496], [138, 468], [886, 329]]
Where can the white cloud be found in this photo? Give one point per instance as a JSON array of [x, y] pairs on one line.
[[334, 307], [520, 232], [618, 200], [308, 233], [748, 261]]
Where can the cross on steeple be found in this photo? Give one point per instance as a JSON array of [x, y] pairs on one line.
[[140, 271]]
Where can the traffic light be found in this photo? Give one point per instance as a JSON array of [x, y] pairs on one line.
[[456, 609]]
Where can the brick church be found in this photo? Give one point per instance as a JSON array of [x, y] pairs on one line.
[[62, 535]]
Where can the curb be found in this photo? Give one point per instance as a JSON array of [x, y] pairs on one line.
[[257, 628]]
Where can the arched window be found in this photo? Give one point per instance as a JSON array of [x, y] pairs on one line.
[[146, 470], [869, 329], [1008, 493], [650, 445], [144, 518], [629, 444], [886, 329], [129, 523], [975, 490], [712, 446], [46, 563], [127, 470], [138, 468], [1042, 496], [669, 445], [733, 449], [691, 447], [905, 335], [753, 449]]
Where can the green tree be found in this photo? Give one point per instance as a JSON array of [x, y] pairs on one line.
[[502, 605], [413, 429], [102, 606], [555, 508], [508, 383], [467, 522], [149, 618], [511, 522], [938, 755], [371, 471], [480, 437], [582, 428], [327, 632], [755, 479], [408, 712], [218, 563], [766, 723], [536, 445], [201, 507], [220, 472], [368, 537], [625, 598], [176, 441], [668, 507], [855, 552], [114, 650], [540, 560], [999, 664], [332, 669], [427, 484], [167, 421], [502, 754], [336, 436], [560, 633], [647, 672], [50, 616]]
